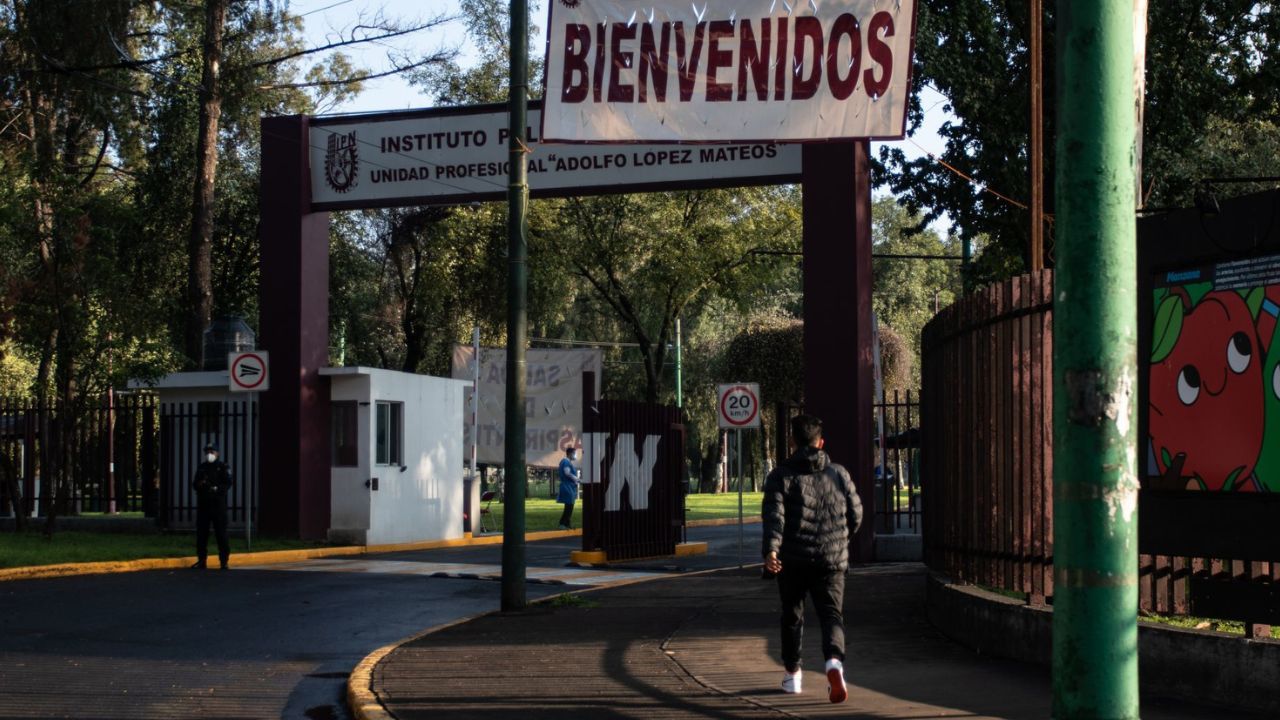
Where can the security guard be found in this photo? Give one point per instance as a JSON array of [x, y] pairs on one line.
[[212, 481]]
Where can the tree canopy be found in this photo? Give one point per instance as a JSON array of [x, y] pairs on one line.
[[1211, 105]]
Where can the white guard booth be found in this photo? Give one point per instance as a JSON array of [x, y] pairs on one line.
[[397, 456]]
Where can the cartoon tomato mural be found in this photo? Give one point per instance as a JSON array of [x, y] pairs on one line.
[[1206, 392], [1268, 471]]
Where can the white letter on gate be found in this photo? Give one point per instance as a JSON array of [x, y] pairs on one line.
[[593, 452], [634, 472]]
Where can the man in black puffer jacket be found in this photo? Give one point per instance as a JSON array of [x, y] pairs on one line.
[[811, 509]]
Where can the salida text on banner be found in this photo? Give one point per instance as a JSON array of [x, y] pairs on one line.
[[553, 401]]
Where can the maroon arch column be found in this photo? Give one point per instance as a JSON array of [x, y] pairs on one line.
[[838, 383], [294, 327]]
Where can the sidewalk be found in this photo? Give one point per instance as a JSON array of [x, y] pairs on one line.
[[706, 646]]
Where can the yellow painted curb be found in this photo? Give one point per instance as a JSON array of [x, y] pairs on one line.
[[691, 548], [361, 699], [589, 557], [270, 557], [749, 520]]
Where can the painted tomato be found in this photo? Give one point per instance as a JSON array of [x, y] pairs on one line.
[[1269, 463], [1206, 395]]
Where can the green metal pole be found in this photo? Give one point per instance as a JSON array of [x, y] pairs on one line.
[[679, 368], [1095, 491], [513, 525]]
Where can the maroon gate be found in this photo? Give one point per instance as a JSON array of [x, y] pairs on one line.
[[633, 478]]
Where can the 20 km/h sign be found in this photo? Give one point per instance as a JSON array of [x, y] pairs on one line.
[[739, 405], [248, 371]]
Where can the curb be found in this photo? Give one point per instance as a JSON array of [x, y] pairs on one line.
[[363, 701], [270, 557], [723, 521], [278, 557]]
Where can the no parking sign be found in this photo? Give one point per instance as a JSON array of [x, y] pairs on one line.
[[739, 405]]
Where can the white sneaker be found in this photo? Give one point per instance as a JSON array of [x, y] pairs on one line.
[[791, 683], [836, 691]]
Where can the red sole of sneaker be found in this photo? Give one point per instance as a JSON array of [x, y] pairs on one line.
[[836, 690]]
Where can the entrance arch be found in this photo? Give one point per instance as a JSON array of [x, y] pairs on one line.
[[294, 295]]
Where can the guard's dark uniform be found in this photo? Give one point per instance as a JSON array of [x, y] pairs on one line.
[[212, 481]]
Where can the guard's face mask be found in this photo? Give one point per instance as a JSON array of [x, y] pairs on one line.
[[210, 457]]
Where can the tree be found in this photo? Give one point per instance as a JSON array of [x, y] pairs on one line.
[[486, 80], [1209, 65], [908, 292], [648, 257], [252, 14]]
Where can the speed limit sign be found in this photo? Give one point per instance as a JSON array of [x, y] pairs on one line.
[[739, 405]]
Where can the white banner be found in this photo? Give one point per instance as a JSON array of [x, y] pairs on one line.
[[447, 156], [553, 401], [727, 70]]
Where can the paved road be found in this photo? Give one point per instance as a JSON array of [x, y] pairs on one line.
[[267, 642]]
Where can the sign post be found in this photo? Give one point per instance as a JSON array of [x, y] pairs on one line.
[[739, 407], [249, 372]]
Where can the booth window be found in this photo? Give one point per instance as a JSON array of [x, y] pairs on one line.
[[344, 421], [390, 434]]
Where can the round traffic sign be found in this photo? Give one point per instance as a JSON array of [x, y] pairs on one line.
[[739, 406], [248, 371]]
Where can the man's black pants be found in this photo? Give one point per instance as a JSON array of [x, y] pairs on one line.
[[212, 512], [826, 588], [566, 517]]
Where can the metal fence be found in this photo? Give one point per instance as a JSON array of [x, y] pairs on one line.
[[94, 456], [987, 462], [987, 440], [897, 487], [184, 429]]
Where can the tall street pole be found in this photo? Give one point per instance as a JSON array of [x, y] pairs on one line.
[[1095, 489], [1036, 50], [513, 547], [679, 368]]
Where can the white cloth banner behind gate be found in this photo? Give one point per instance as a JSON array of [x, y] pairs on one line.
[[553, 400], [727, 70]]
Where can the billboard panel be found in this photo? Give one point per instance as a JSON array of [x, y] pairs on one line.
[[1214, 378]]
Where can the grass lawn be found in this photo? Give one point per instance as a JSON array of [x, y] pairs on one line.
[[717, 506], [31, 548], [544, 514], [539, 514]]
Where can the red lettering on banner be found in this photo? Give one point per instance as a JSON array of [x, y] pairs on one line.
[[632, 62], [780, 81], [880, 52], [808, 32], [618, 90], [754, 59], [842, 84], [598, 81], [653, 62], [688, 69], [578, 40], [717, 59]]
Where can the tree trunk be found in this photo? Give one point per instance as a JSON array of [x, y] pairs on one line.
[[9, 479], [200, 244]]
